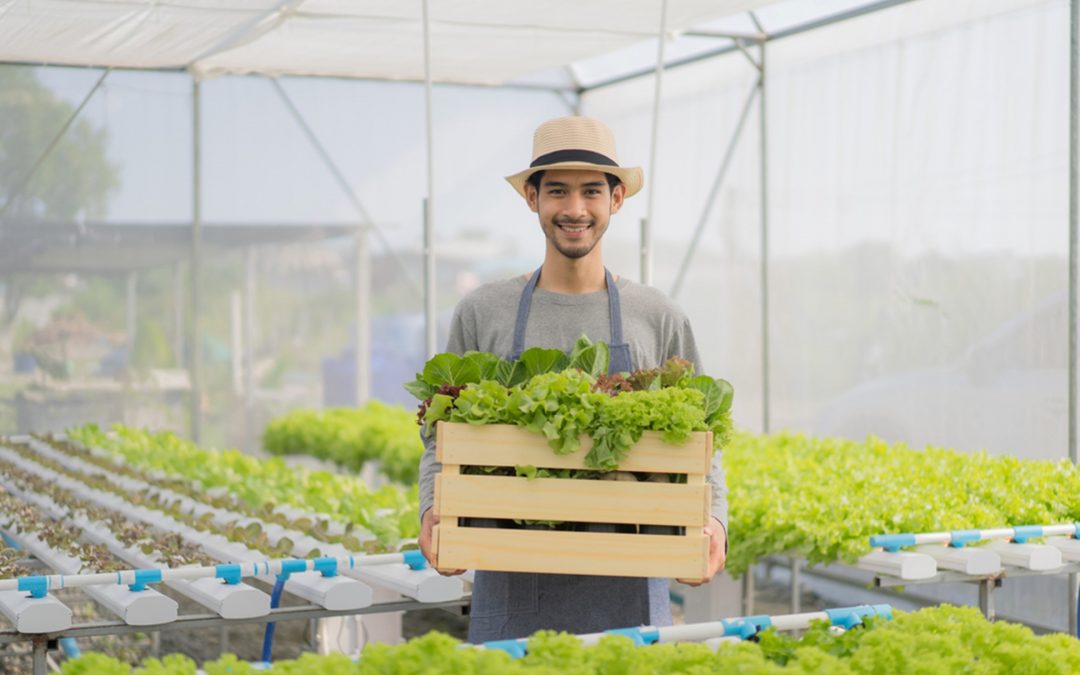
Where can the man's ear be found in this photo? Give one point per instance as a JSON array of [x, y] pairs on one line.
[[532, 197], [617, 197]]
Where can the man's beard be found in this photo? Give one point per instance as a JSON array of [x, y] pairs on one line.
[[572, 253]]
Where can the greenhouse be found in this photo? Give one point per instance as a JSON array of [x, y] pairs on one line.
[[786, 379]]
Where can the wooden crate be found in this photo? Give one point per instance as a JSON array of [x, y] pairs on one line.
[[598, 553]]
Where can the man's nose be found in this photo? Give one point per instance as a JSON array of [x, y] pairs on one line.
[[574, 206]]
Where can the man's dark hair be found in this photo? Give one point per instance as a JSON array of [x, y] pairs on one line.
[[534, 180]]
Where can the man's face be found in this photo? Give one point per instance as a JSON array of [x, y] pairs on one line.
[[574, 208]]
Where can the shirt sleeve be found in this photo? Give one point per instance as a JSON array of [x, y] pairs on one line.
[[458, 343]]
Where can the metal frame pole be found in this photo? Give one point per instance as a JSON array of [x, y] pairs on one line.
[[647, 222], [343, 182], [40, 656], [22, 185], [713, 193], [986, 598], [796, 587], [1074, 260], [247, 328], [363, 317], [765, 410], [430, 335], [132, 313], [196, 260]]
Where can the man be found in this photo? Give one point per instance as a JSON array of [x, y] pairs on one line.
[[574, 184]]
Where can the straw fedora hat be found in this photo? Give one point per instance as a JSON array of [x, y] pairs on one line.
[[577, 143]]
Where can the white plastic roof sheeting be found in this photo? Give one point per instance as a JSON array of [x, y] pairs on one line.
[[472, 41]]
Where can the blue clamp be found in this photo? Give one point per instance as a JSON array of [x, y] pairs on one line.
[[960, 538], [230, 573], [759, 621], [892, 542], [414, 559], [1022, 533], [1076, 533], [848, 617], [640, 637], [515, 648], [327, 566], [143, 577], [884, 611], [38, 586], [740, 628], [291, 566]]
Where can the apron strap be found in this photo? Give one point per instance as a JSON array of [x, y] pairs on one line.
[[614, 308], [523, 315]]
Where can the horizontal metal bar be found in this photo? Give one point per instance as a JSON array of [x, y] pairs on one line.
[[836, 18], [344, 78], [860, 584], [721, 35], [1007, 572], [208, 620]]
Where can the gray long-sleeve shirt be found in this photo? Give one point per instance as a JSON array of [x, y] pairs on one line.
[[653, 326]]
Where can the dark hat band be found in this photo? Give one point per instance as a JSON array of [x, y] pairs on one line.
[[573, 156]]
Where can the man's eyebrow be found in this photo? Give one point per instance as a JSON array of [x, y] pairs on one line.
[[555, 183]]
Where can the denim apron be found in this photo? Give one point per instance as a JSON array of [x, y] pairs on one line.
[[509, 605]]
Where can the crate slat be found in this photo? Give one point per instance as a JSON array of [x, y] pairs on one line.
[[594, 501], [509, 445], [594, 553]]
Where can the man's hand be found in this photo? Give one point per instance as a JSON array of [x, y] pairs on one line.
[[427, 523], [717, 552]]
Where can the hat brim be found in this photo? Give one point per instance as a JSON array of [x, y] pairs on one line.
[[632, 177]]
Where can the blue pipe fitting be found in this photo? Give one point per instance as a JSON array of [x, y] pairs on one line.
[[848, 617], [143, 577], [883, 611], [639, 637], [230, 573], [38, 586], [291, 566], [414, 559], [1076, 532], [515, 648], [326, 566], [740, 628], [960, 538], [1022, 533], [892, 542], [759, 621]]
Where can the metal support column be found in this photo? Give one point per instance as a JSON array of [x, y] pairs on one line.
[[178, 315], [22, 184], [713, 193], [1074, 260], [796, 587], [363, 316], [748, 592], [196, 262], [765, 412], [647, 223], [429, 204], [247, 328], [132, 312], [986, 598], [40, 656]]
